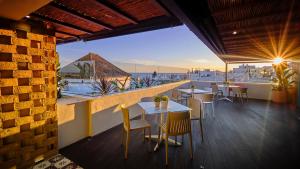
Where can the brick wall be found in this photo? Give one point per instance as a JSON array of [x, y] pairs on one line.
[[28, 120]]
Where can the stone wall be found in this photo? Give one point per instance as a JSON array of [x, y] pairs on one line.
[[28, 119]]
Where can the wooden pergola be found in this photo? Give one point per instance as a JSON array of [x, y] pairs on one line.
[[237, 31], [87, 20], [243, 31]]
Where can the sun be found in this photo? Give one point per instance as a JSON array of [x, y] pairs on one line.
[[278, 60]]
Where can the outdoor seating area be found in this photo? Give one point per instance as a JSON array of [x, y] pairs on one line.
[[239, 117], [252, 135]]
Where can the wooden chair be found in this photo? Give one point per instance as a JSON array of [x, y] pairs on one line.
[[244, 91], [178, 123], [196, 112], [130, 125], [177, 97], [206, 99], [215, 89], [236, 92]]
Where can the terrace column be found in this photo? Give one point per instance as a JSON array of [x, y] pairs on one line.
[[28, 92], [226, 72]]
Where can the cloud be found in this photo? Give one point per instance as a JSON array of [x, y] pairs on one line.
[[201, 60], [142, 61]]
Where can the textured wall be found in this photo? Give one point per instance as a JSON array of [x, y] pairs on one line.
[[28, 120]]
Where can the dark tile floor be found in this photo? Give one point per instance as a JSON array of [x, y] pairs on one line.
[[254, 135]]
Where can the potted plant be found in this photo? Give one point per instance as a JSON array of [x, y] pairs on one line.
[[192, 87], [157, 101], [164, 101], [283, 85]]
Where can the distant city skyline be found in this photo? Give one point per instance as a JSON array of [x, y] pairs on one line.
[[170, 47]]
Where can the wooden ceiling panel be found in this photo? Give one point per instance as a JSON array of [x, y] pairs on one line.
[[60, 15], [257, 28], [140, 9], [94, 9]]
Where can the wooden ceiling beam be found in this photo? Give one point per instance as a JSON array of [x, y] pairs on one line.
[[112, 8], [66, 33], [77, 14], [64, 24], [151, 24]]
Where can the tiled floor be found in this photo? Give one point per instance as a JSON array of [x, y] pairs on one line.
[[57, 162]]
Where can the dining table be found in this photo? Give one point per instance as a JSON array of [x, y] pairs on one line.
[[193, 91], [150, 109], [226, 90]]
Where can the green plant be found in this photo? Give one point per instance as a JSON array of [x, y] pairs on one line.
[[120, 85], [103, 86], [157, 99], [148, 82], [284, 77], [164, 98], [135, 83]]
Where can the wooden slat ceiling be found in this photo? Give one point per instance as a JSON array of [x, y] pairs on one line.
[[75, 20], [264, 29], [243, 30]]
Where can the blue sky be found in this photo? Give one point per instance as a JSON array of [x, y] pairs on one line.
[[177, 47]]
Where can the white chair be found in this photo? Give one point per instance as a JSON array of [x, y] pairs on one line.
[[215, 90], [206, 99], [196, 112]]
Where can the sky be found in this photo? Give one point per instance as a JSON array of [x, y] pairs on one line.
[[176, 47]]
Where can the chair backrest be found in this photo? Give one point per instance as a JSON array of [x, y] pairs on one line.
[[178, 123], [204, 97], [175, 94], [244, 90], [147, 99], [126, 121], [214, 88], [195, 105], [235, 89]]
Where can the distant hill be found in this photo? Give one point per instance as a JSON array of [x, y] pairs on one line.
[[84, 68], [143, 68]]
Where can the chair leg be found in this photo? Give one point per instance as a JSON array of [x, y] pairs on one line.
[[201, 129], [213, 109], [127, 144], [144, 136], [123, 133], [150, 139], [166, 145], [203, 112], [191, 145]]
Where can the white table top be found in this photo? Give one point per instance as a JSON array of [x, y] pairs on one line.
[[230, 86], [149, 107], [195, 91]]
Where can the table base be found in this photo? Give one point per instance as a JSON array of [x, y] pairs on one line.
[[170, 141], [225, 99]]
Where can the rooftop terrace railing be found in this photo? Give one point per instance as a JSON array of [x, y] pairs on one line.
[[80, 117]]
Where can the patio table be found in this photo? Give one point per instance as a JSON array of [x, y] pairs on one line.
[[193, 91], [226, 91], [149, 108]]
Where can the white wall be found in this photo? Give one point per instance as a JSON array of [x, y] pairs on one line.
[[255, 90], [73, 113]]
